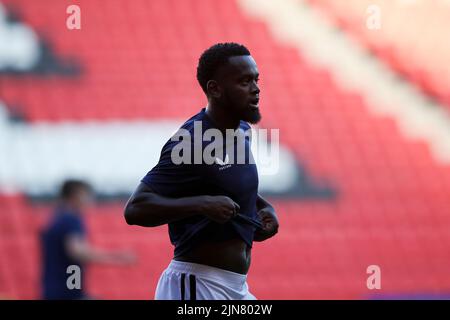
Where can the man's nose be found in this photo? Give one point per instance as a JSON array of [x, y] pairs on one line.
[[255, 88]]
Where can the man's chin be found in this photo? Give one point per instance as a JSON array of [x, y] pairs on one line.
[[252, 117]]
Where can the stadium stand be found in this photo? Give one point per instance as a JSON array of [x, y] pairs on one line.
[[412, 38], [136, 60]]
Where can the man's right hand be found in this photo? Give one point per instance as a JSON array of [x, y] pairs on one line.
[[220, 208]]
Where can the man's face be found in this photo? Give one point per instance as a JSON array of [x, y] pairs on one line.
[[240, 91], [83, 198]]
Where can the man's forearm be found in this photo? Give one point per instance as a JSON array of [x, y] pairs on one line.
[[151, 209]]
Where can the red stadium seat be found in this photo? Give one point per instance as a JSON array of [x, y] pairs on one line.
[[138, 60]]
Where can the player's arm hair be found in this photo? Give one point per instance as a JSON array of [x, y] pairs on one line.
[[146, 208]]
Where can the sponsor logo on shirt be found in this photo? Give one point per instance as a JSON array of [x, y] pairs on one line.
[[223, 164]]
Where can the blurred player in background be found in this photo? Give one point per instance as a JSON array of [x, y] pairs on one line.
[[64, 243], [214, 211]]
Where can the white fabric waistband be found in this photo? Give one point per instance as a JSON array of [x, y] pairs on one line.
[[207, 272]]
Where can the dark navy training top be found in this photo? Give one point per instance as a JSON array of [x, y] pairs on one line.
[[55, 257], [222, 174]]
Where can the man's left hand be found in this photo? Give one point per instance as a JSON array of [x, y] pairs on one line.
[[270, 225]]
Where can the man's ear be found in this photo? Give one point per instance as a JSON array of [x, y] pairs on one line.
[[213, 89]]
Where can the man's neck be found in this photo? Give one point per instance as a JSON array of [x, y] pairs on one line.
[[221, 119]]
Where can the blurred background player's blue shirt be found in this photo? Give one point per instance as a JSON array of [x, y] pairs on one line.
[[237, 181], [55, 256]]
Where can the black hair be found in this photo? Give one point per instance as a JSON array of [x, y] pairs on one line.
[[216, 56], [70, 187]]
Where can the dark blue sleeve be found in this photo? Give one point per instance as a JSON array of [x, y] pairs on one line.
[[173, 180]]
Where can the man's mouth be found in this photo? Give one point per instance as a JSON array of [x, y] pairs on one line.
[[254, 104]]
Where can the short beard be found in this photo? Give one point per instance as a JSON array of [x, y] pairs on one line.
[[253, 117], [249, 116]]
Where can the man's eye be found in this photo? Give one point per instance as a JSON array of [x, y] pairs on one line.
[[257, 80]]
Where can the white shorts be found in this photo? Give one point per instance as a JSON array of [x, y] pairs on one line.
[[192, 281]]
